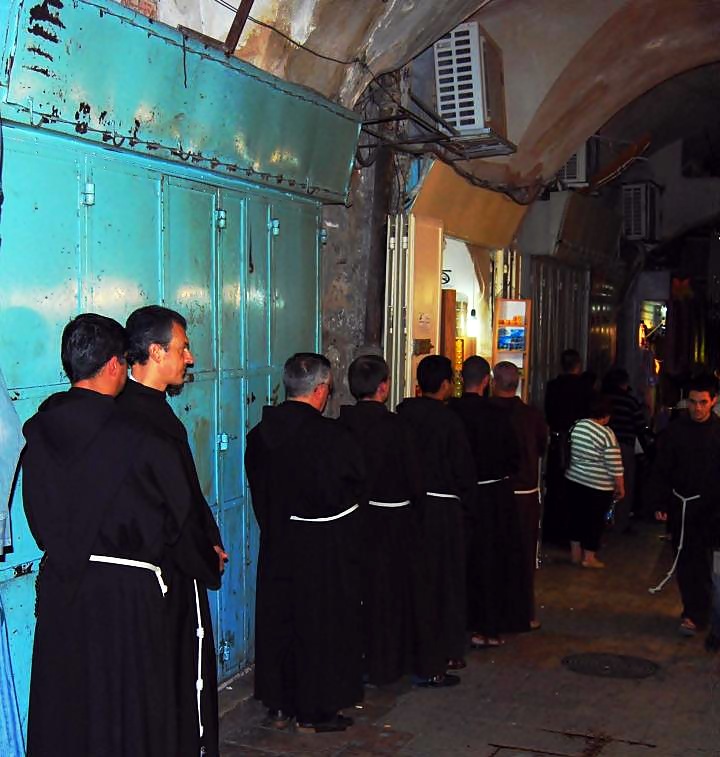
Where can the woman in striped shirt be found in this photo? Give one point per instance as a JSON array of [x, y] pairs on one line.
[[594, 478]]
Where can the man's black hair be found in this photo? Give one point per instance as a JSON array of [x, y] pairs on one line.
[[432, 370], [475, 370], [570, 360], [703, 382], [600, 406], [150, 325], [614, 380], [365, 375], [88, 342], [303, 371]]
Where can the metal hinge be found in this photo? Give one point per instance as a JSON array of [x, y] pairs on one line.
[[223, 442], [224, 650], [87, 196], [274, 226], [220, 218]]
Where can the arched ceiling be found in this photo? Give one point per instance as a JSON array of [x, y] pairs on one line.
[[569, 65]]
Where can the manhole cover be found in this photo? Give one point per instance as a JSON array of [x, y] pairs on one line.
[[610, 665]]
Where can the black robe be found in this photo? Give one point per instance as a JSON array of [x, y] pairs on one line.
[[308, 658], [448, 468], [687, 462], [150, 406], [398, 636], [492, 524], [97, 483], [531, 432]]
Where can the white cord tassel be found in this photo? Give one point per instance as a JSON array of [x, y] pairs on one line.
[[662, 583], [200, 635]]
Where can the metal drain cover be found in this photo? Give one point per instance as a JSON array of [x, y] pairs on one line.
[[610, 665]]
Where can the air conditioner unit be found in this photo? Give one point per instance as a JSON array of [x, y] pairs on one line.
[[461, 79], [575, 172], [640, 211]]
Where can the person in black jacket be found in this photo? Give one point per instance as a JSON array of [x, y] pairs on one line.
[[159, 355], [449, 470], [398, 636], [566, 400]]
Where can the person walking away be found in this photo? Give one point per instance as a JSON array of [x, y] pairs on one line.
[[492, 529], [628, 423], [398, 638], [532, 434], [685, 491], [566, 401], [106, 500], [307, 480], [159, 356], [595, 477], [447, 462]]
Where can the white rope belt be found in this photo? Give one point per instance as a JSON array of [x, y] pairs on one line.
[[133, 564], [492, 481], [200, 631], [329, 517], [404, 503], [444, 496], [536, 490], [684, 501]]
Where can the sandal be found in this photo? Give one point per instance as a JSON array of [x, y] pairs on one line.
[[485, 642], [687, 627], [456, 664]]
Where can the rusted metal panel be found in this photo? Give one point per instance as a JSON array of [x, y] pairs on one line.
[[96, 70]]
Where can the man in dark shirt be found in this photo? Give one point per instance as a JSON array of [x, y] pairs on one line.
[[628, 423], [531, 433], [449, 471], [566, 401], [307, 480], [159, 355], [106, 500], [399, 637], [685, 490]]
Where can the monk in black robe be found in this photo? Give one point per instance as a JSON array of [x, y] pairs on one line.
[[398, 637], [531, 433], [100, 490], [685, 490], [307, 480], [159, 354], [491, 521], [449, 472]]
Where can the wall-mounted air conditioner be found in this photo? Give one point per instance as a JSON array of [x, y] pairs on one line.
[[640, 211], [461, 78], [575, 172]]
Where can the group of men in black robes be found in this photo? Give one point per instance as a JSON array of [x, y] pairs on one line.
[[385, 537], [123, 658]]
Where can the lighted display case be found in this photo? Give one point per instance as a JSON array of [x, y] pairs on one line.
[[511, 337]]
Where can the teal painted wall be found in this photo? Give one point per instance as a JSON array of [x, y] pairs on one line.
[[106, 224]]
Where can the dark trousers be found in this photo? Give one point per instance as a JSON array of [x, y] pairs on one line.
[[588, 508], [555, 508]]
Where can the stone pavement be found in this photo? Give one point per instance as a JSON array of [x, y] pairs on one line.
[[520, 701]]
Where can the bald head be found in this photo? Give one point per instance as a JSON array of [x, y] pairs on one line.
[[506, 377]]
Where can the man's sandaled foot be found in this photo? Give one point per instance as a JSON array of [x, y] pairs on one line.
[[535, 625], [456, 664], [485, 642], [441, 681], [278, 719], [687, 628], [336, 723]]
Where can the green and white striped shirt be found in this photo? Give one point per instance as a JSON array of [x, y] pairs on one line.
[[595, 458]]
